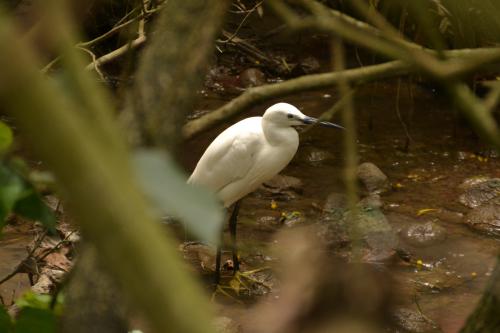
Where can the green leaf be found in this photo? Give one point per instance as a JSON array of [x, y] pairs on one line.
[[31, 299], [165, 184], [33, 320], [12, 188], [19, 196], [33, 207], [6, 137], [5, 321]]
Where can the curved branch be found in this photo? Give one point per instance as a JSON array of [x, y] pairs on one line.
[[256, 95]]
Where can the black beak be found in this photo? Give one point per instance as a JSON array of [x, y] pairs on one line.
[[311, 120]]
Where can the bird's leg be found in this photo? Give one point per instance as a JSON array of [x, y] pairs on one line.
[[217, 264], [232, 230]]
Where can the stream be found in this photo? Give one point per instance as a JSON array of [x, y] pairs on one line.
[[424, 181], [443, 153]]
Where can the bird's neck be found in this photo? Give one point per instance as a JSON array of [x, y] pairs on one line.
[[278, 134]]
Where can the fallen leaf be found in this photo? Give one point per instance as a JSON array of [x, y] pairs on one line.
[[274, 205], [425, 211]]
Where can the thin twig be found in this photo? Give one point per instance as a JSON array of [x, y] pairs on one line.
[[350, 146], [19, 268], [259, 94], [94, 62], [117, 53], [446, 72], [242, 22], [111, 55], [398, 113], [55, 247]]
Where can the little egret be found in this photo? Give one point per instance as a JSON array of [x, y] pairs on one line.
[[247, 154]]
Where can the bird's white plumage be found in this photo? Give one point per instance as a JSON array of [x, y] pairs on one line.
[[249, 153]]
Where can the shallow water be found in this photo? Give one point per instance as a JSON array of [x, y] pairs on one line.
[[425, 177], [15, 239]]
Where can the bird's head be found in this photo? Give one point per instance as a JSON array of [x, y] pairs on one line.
[[285, 114]]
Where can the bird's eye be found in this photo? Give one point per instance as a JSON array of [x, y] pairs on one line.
[[290, 116]]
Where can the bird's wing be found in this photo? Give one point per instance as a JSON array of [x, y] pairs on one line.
[[230, 156]]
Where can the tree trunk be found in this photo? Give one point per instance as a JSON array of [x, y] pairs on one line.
[[171, 69], [93, 302], [164, 91]]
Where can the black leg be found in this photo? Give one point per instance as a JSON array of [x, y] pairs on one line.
[[217, 265], [232, 229]]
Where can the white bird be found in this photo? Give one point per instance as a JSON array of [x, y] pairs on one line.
[[249, 153]]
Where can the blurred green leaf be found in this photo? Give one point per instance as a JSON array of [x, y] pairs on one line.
[[6, 137], [31, 299], [33, 207], [165, 184], [34, 300], [33, 320], [12, 188], [19, 196], [5, 321]]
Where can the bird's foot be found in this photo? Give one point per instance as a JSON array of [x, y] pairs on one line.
[[243, 283], [220, 289], [248, 282]]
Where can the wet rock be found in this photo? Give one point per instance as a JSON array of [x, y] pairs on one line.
[[221, 80], [414, 322], [252, 77], [368, 224], [331, 230], [374, 180], [424, 234], [280, 183], [310, 65], [370, 201], [434, 278], [316, 157], [479, 190], [307, 65], [335, 205], [376, 232], [226, 325], [485, 218], [200, 256], [332, 234], [267, 220], [292, 219], [44, 285]]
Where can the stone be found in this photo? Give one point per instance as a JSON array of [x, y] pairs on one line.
[[280, 183], [335, 203], [252, 77], [317, 156], [414, 322], [374, 180], [485, 218], [479, 190], [225, 324], [424, 234]]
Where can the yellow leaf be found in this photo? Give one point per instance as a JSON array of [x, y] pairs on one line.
[[425, 211], [274, 205], [235, 285], [420, 262]]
